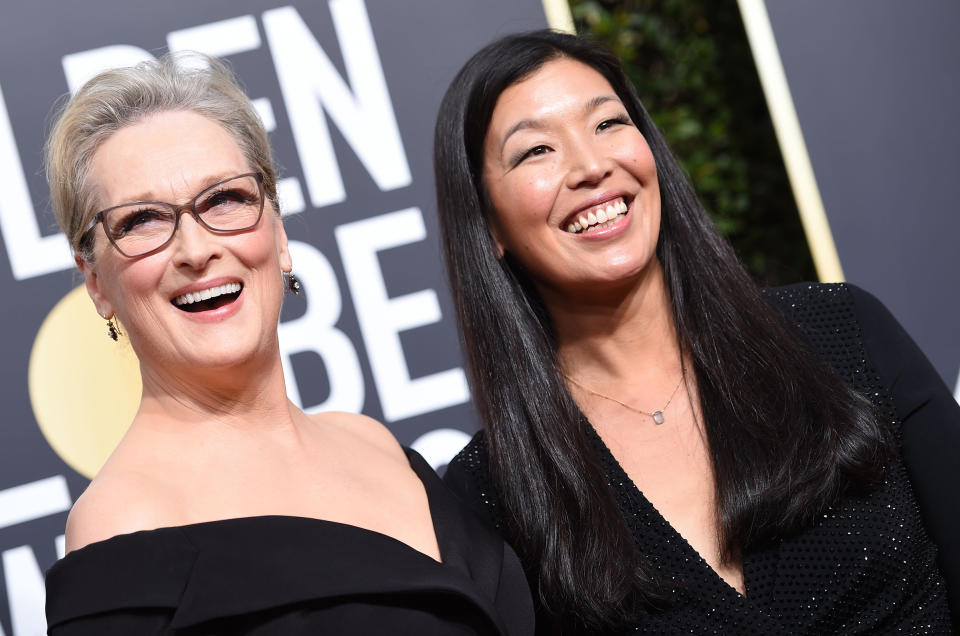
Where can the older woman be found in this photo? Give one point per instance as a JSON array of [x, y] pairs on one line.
[[225, 509], [669, 449]]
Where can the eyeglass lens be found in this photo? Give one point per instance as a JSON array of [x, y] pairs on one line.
[[138, 228]]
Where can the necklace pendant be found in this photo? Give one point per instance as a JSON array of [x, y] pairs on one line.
[[658, 417]]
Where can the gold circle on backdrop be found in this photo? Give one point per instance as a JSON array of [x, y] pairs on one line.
[[84, 387]]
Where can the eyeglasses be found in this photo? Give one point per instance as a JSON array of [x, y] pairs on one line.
[[142, 228]]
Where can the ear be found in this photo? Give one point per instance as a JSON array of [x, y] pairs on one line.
[[495, 234], [490, 218], [93, 283], [283, 249]]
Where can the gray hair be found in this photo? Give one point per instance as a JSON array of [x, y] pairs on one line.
[[120, 97]]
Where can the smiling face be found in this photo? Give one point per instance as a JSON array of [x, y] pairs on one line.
[[571, 180], [206, 300]]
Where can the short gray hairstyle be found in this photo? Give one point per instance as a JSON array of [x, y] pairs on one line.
[[120, 97]]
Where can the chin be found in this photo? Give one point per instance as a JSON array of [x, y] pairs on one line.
[[626, 270], [229, 349]]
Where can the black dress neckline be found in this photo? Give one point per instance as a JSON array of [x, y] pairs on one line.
[[232, 567], [616, 472], [647, 514], [420, 467]]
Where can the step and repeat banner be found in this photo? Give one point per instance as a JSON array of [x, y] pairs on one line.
[[864, 96], [348, 90]]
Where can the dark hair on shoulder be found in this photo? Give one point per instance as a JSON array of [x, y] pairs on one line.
[[786, 437]]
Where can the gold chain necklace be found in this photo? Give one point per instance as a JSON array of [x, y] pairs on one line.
[[656, 415]]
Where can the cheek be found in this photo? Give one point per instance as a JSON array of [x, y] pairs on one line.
[[646, 165], [529, 197], [140, 277], [257, 249], [638, 161], [261, 257], [134, 293]]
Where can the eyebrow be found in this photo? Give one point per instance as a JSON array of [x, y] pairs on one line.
[[147, 197], [536, 124], [523, 124]]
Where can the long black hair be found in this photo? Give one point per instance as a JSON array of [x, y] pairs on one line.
[[786, 437]]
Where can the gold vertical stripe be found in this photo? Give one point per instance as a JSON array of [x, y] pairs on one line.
[[794, 149], [558, 15]]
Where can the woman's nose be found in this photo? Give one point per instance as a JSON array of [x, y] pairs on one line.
[[588, 165], [193, 244]]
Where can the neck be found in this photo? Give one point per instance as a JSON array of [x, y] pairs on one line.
[[627, 335], [247, 396]]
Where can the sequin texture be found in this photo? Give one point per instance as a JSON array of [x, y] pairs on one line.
[[866, 565]]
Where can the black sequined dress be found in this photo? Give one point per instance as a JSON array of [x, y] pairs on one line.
[[871, 564]]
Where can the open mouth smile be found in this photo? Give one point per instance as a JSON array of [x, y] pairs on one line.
[[208, 299], [598, 217]]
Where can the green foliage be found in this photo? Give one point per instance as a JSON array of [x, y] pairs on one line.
[[693, 69]]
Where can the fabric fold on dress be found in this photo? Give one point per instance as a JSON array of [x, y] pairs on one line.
[[277, 573]]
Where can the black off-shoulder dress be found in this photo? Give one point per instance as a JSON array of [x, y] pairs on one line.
[[284, 576], [883, 563]]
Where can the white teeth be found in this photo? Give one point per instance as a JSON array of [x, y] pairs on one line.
[[206, 294], [600, 217]]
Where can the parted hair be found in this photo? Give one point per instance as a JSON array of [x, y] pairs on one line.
[[786, 436], [120, 97]]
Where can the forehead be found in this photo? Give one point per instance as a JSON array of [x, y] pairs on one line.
[[554, 88], [167, 156]]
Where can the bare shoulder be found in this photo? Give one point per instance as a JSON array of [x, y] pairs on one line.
[[115, 503], [366, 431]]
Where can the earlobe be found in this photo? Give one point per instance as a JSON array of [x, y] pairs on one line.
[[91, 279], [496, 241], [283, 249]]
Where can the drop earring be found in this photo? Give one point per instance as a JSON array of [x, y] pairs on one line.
[[112, 330], [293, 284]]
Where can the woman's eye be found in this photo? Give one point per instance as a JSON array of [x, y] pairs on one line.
[[140, 218], [532, 152], [136, 220], [613, 121], [224, 197]]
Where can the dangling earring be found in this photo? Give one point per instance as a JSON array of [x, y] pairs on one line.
[[293, 284], [112, 330]]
